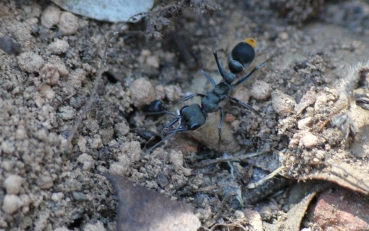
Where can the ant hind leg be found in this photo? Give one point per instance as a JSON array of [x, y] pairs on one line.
[[220, 125]]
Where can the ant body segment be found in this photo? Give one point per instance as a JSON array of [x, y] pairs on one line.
[[194, 116]]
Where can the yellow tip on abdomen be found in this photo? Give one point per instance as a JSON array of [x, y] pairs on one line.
[[251, 42]]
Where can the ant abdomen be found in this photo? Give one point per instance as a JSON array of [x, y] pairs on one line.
[[242, 55]]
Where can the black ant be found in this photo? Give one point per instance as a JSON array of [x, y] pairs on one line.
[[194, 116]]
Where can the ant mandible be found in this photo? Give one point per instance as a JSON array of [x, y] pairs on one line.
[[194, 116]]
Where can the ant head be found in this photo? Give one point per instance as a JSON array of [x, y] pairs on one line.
[[242, 55], [192, 117]]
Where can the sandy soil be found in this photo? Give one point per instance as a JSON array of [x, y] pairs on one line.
[[310, 123]]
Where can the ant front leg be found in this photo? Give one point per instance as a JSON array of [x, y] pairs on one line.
[[220, 124], [220, 67], [190, 97], [243, 79]]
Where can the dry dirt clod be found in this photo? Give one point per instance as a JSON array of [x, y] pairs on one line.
[[261, 90], [13, 184], [142, 92], [282, 103], [30, 62], [68, 24], [58, 47], [50, 16], [11, 204]]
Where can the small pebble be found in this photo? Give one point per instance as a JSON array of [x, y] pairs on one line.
[[307, 100], [305, 123], [283, 36], [67, 112], [58, 47], [21, 133], [13, 184], [30, 62], [173, 92], [159, 91], [50, 16], [98, 226], [117, 169], [261, 90], [11, 204], [309, 140], [153, 61], [62, 229], [77, 77], [282, 103], [142, 92], [321, 100], [68, 24], [50, 74], [59, 65], [86, 160], [121, 129], [47, 92], [78, 196], [45, 182], [176, 158]]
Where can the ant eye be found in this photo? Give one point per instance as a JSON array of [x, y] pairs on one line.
[[194, 126]]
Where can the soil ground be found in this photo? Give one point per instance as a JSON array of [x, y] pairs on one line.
[[310, 123]]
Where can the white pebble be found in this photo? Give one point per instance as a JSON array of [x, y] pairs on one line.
[[26, 200], [86, 160], [58, 63], [173, 92], [116, 168], [45, 182], [58, 47], [309, 140], [121, 129], [30, 62], [153, 61], [67, 112], [176, 158], [98, 226], [305, 123], [282, 103], [47, 92], [77, 77], [68, 24], [11, 204], [8, 146], [50, 74], [21, 133], [142, 92], [261, 90], [159, 91], [13, 184], [57, 196], [62, 229], [50, 16]]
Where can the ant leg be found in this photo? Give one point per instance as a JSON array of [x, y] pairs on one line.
[[220, 68], [239, 102], [190, 97], [211, 80], [220, 124], [170, 124], [243, 79]]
